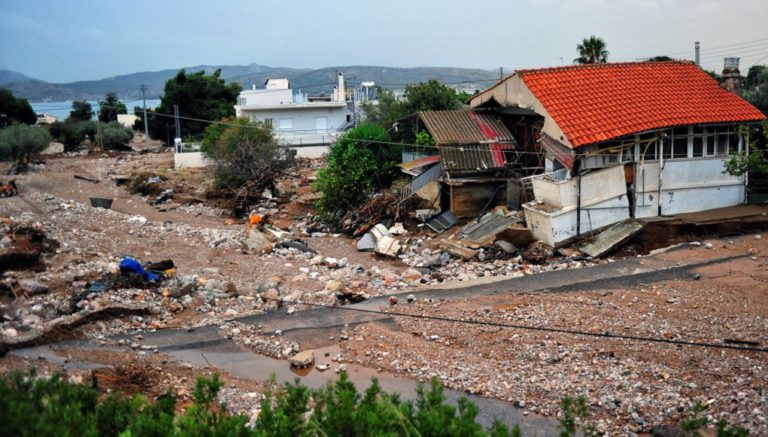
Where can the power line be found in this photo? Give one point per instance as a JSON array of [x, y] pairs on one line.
[[530, 328]]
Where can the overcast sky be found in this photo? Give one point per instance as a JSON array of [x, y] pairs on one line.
[[63, 41]]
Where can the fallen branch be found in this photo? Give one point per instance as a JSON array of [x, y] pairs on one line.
[[85, 178]]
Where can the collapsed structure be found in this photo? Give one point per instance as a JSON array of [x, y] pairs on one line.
[[596, 144]]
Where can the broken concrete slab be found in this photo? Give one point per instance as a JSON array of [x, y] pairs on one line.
[[484, 230], [303, 359], [366, 243], [612, 237], [457, 250], [387, 246]]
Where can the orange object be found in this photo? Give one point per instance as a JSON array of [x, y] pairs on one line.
[[598, 102], [254, 220]]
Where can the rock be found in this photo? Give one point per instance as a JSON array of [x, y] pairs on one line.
[[316, 260], [255, 242], [303, 359], [506, 246], [269, 284], [411, 298], [708, 246], [411, 275], [333, 286], [32, 287], [668, 431], [231, 289], [393, 300], [10, 333], [538, 252]]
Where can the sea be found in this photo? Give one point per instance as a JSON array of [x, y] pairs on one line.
[[60, 110]]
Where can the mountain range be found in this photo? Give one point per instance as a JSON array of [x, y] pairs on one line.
[[311, 81]]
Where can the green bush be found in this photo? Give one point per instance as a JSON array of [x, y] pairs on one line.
[[359, 163], [245, 152], [115, 136], [31, 406], [19, 140]]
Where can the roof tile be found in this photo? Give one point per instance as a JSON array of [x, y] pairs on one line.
[[598, 102]]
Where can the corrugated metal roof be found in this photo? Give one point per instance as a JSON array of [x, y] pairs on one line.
[[469, 140], [459, 127]]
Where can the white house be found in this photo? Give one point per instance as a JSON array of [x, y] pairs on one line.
[[308, 124], [637, 139]]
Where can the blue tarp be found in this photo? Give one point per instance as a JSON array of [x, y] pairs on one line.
[[132, 265]]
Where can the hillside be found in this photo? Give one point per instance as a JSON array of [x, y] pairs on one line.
[[309, 80]]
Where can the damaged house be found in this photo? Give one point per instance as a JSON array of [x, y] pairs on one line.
[[623, 140], [469, 166]]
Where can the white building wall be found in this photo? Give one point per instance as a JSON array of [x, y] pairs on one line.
[[687, 185], [266, 97], [603, 202], [310, 124]]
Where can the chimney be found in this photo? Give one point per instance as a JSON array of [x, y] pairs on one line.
[[342, 93], [697, 50], [731, 74]]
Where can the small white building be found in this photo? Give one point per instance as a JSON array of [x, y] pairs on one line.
[[624, 140], [308, 124]]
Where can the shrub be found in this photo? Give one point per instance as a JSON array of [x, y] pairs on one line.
[[19, 140], [116, 136], [359, 163], [245, 152]]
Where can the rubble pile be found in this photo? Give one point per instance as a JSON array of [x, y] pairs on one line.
[[636, 385]]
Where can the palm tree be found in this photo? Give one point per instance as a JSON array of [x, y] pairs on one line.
[[591, 51]]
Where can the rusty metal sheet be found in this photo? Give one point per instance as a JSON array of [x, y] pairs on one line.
[[484, 231], [460, 127]]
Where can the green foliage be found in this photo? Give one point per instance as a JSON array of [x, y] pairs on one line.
[[423, 138], [19, 140], [429, 96], [198, 96], [340, 410], [115, 136], [72, 132], [574, 411], [15, 110], [661, 58], [694, 419], [244, 151], [725, 430], [81, 111], [754, 162], [754, 88], [591, 50], [358, 165], [110, 107]]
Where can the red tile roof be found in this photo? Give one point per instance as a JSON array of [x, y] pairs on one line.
[[598, 102]]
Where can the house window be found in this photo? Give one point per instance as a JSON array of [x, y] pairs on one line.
[[679, 143], [721, 140], [321, 124], [711, 140], [698, 142], [285, 123], [268, 122], [242, 101]]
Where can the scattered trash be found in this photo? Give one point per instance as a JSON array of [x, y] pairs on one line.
[[457, 250], [101, 202], [85, 178], [8, 190], [132, 266], [296, 245], [397, 229]]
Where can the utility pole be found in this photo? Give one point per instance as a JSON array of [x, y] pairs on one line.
[[177, 140], [501, 73], [697, 49], [146, 129]]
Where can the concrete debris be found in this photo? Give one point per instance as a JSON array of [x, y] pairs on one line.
[[457, 250], [612, 237], [303, 359], [387, 246]]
